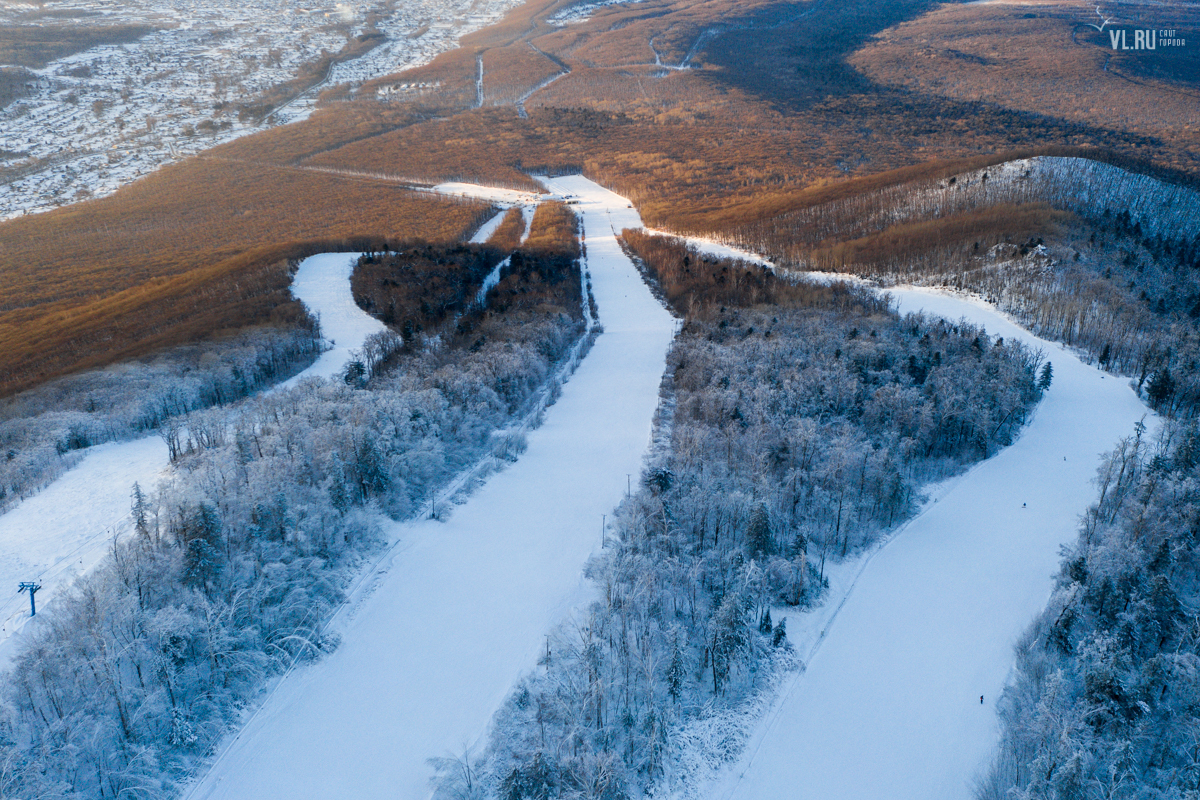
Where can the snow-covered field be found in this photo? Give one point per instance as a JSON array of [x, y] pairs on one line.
[[889, 705], [65, 529], [463, 606]]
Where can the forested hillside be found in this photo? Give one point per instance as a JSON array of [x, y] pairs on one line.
[[271, 511], [42, 430], [801, 422], [1080, 251], [187, 255], [800, 430]]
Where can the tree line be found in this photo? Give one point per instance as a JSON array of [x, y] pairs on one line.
[[43, 430], [1077, 250]]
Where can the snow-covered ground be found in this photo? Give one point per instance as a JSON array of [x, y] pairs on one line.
[[65, 529], [488, 228], [889, 704], [322, 283], [510, 197], [485, 232], [527, 211], [96, 120], [463, 606], [712, 247], [896, 662]]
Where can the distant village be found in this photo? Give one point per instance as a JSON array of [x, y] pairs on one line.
[[96, 120]]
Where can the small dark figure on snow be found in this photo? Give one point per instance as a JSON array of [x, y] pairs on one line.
[[980, 699], [1023, 505]]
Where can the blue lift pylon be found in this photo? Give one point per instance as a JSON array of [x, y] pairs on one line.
[[31, 587]]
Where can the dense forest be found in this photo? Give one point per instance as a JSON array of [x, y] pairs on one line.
[[221, 263], [771, 110], [798, 433], [799, 426], [419, 286]]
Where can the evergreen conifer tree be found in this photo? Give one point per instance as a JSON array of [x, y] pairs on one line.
[[1046, 377]]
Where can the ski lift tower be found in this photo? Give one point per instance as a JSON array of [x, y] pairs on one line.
[[31, 587]]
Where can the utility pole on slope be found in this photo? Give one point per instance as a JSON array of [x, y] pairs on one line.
[[31, 587]]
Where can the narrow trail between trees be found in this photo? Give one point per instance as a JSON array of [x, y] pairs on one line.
[[889, 705], [461, 608]]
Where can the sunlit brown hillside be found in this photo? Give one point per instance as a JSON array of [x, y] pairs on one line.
[[710, 114], [190, 251], [1042, 58]]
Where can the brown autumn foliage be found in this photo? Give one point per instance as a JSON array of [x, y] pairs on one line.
[[245, 290], [936, 242], [200, 212], [510, 72], [541, 278], [696, 284], [776, 111], [450, 79], [554, 230], [1042, 58], [543, 275], [174, 257], [507, 237], [419, 286], [327, 128]]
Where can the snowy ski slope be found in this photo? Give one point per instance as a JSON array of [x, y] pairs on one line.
[[463, 607], [889, 706]]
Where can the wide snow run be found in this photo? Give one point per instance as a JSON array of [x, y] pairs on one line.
[[461, 608], [889, 705], [65, 530], [492, 194]]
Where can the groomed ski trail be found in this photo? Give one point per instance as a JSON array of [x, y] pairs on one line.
[[889, 704], [429, 654]]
